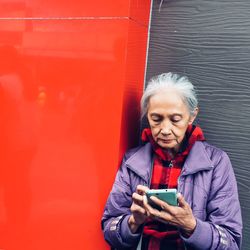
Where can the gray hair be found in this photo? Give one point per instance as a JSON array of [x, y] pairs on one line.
[[170, 81]]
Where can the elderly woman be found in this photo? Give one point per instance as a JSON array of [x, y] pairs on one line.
[[175, 155]]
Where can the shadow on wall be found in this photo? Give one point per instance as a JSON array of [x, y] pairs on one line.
[[19, 137], [130, 135]]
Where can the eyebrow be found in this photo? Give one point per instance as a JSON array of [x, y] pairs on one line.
[[157, 114]]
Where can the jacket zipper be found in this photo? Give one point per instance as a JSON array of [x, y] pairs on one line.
[[171, 164]]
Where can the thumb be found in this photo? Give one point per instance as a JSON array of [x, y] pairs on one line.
[[181, 200]]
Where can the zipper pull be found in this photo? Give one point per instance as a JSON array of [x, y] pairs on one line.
[[171, 164]]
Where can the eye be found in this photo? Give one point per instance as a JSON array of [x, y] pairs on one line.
[[156, 119], [176, 119]]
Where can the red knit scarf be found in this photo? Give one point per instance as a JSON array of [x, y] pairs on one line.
[[166, 171]]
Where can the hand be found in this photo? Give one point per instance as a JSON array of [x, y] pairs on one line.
[[180, 216], [138, 211]]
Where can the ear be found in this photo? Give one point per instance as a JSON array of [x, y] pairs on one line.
[[192, 117]]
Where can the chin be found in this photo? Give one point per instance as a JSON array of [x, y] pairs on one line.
[[170, 146]]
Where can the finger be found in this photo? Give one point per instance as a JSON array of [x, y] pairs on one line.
[[171, 211], [181, 201], [152, 212], [165, 206], [161, 216], [138, 199], [155, 214], [140, 189], [148, 206], [137, 209]]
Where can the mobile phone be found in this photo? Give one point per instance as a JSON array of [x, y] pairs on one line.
[[167, 195]]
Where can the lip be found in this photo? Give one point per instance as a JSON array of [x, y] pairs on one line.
[[166, 140]]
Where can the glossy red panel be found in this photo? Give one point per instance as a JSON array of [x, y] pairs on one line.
[[66, 87], [134, 79], [140, 11], [64, 8]]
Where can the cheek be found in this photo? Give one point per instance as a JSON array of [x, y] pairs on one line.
[[180, 130], [155, 131]]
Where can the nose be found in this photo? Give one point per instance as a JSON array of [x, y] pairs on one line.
[[166, 128]]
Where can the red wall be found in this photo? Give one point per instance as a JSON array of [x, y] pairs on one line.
[[71, 75]]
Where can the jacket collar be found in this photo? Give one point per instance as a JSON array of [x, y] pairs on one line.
[[197, 160], [141, 161]]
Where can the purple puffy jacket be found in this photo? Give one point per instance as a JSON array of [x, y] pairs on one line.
[[208, 184]]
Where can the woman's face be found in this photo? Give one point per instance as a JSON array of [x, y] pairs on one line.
[[169, 118]]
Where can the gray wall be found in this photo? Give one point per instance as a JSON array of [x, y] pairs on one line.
[[209, 41]]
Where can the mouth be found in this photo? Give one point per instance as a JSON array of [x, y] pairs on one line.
[[166, 140]]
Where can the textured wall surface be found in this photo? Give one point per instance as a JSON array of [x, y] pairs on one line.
[[209, 41]]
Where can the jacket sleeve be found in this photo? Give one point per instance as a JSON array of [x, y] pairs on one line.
[[222, 229], [117, 212]]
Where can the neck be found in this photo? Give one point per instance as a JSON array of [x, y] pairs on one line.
[[173, 151]]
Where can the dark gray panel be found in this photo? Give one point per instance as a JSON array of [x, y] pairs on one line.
[[209, 41]]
